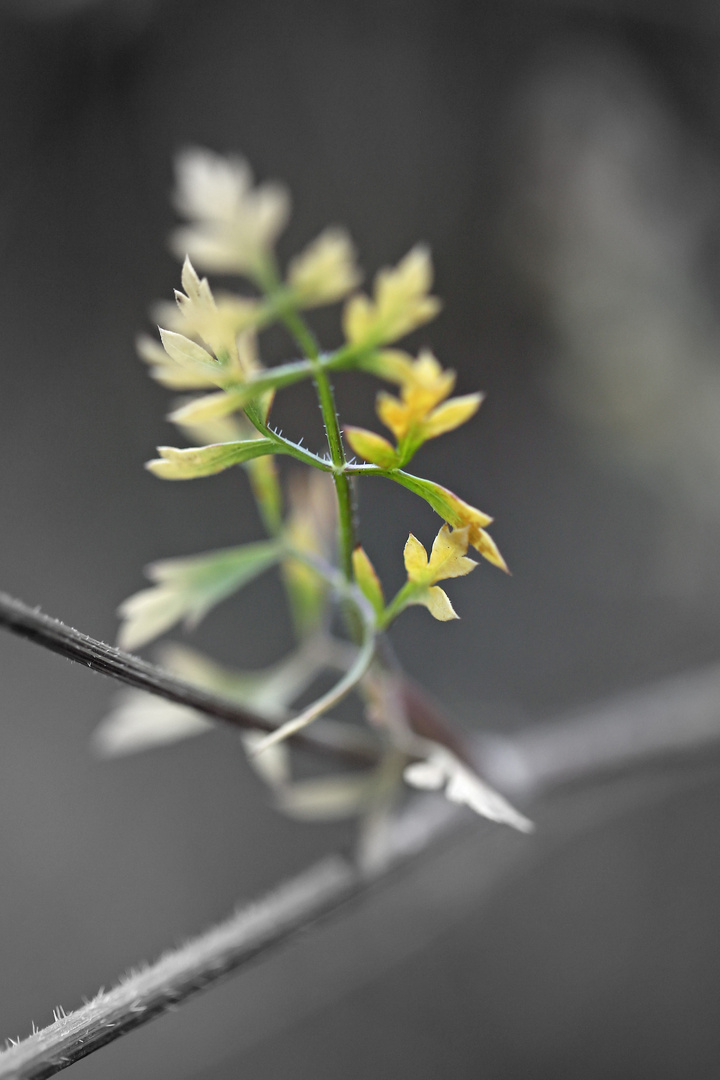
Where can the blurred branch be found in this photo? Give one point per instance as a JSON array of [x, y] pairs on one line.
[[676, 720], [52, 634], [153, 990]]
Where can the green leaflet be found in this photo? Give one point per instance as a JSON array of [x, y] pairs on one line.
[[188, 588], [443, 501], [433, 493], [194, 461]]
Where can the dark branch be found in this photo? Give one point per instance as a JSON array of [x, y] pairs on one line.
[[52, 634]]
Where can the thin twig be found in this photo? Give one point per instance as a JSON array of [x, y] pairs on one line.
[[296, 906], [32, 624], [676, 719], [145, 994]]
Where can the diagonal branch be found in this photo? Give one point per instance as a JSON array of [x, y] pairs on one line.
[[30, 623], [679, 720], [145, 994]]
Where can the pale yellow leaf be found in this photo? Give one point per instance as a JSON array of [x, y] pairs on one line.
[[416, 560]]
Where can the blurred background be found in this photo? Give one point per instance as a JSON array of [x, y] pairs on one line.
[[562, 160]]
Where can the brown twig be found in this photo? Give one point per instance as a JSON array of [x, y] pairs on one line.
[[52, 634]]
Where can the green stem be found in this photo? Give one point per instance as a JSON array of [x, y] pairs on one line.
[[365, 656], [287, 446], [346, 520], [397, 604], [282, 375], [268, 280]]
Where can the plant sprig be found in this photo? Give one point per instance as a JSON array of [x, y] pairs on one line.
[[209, 345]]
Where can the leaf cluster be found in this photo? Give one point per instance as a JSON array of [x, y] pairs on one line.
[[209, 346]]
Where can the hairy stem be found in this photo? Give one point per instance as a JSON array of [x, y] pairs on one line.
[[363, 617], [269, 281], [333, 697], [177, 976], [326, 398]]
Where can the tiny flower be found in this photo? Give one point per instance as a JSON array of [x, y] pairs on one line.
[[401, 302], [233, 225], [456, 512], [417, 415], [425, 383], [447, 560], [325, 271], [461, 515]]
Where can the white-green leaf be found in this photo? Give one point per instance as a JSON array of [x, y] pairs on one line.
[[191, 356], [195, 461], [209, 407], [140, 721], [329, 798], [188, 588]]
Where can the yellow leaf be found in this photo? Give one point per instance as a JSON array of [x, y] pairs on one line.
[[358, 318], [221, 429], [391, 364], [416, 561], [394, 414], [325, 271], [454, 509], [487, 547], [423, 385], [448, 558], [367, 579], [400, 302], [437, 602], [426, 383], [371, 447], [451, 415]]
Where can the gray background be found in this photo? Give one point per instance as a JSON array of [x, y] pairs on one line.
[[562, 163]]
